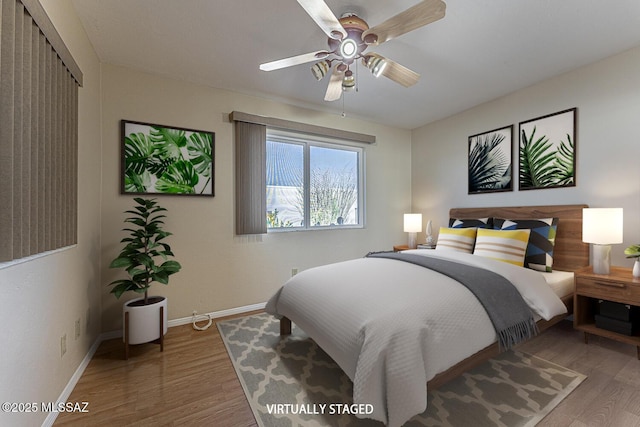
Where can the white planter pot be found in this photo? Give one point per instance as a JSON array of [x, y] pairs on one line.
[[636, 268], [144, 320]]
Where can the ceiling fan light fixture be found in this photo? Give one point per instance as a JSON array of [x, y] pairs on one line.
[[375, 63], [320, 69], [348, 82], [348, 48]]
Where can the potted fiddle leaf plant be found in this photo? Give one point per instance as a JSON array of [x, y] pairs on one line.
[[146, 259]]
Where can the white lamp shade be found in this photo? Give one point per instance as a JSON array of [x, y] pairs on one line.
[[412, 223], [602, 226]]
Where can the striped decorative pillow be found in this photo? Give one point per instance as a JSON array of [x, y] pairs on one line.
[[503, 245], [543, 235], [456, 239]]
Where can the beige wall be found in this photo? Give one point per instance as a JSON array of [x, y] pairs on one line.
[[220, 270], [607, 95], [41, 299]]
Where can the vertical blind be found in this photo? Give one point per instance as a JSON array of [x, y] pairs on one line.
[[38, 133], [251, 177]]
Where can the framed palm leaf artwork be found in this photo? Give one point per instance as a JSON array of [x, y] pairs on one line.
[[159, 159], [490, 164], [547, 151]]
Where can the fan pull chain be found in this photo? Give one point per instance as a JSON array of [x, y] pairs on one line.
[[343, 115]]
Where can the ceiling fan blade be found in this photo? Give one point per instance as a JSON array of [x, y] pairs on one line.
[[324, 17], [399, 73], [334, 89], [294, 60], [423, 13]]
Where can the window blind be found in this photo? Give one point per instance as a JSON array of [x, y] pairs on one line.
[[38, 133], [251, 176]]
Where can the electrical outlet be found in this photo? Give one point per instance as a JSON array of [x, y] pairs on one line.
[[294, 271], [77, 334], [194, 314], [63, 345]]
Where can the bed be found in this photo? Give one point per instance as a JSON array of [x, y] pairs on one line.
[[394, 327]]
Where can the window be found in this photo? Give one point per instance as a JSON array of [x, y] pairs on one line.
[[312, 184], [251, 174]]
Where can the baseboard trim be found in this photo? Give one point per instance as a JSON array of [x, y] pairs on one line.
[[217, 314], [66, 392]]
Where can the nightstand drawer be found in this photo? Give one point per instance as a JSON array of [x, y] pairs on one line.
[[620, 291]]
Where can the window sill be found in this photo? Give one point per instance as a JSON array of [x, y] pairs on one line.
[[14, 262]]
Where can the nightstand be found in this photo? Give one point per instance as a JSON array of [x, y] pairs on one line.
[[618, 286]]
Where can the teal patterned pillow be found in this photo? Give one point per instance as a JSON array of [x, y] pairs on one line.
[[539, 254]]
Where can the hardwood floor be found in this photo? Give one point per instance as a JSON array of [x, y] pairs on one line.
[[193, 382], [610, 396]]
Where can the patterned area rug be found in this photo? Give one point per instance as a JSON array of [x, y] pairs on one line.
[[292, 382]]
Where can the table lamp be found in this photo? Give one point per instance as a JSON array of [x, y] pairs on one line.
[[412, 225], [602, 227]]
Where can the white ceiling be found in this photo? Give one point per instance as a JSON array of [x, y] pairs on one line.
[[479, 51]]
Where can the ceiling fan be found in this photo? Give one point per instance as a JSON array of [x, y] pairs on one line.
[[350, 36]]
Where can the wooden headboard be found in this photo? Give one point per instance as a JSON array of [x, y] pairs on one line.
[[569, 252]]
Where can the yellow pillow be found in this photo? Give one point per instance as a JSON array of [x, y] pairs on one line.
[[456, 239], [503, 245]]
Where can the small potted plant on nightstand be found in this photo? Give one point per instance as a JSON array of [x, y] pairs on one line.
[[145, 258], [634, 252]]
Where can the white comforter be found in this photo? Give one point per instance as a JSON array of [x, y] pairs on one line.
[[392, 326]]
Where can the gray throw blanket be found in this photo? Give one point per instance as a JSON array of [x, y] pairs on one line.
[[511, 316]]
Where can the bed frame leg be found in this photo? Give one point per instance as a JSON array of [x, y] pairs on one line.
[[285, 326]]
